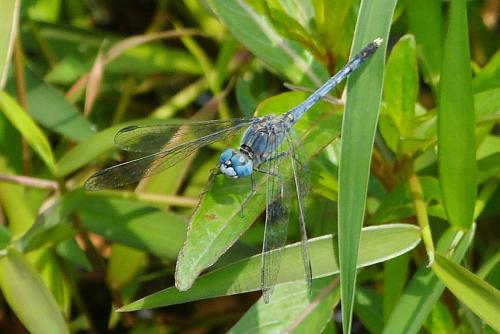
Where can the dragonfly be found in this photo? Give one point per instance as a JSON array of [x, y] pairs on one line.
[[268, 142]]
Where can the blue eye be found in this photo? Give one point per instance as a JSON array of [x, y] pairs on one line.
[[226, 155]]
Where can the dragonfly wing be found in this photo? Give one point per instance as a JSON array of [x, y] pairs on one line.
[[276, 226], [301, 183], [134, 170], [162, 137]]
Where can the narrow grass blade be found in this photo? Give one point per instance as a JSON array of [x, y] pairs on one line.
[[456, 141], [358, 132], [482, 298]]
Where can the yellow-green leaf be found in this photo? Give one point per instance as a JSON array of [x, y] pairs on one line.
[[482, 298], [30, 131]]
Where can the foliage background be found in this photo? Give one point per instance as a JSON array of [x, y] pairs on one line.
[[78, 71]]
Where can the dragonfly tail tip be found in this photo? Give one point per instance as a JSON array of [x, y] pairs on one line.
[[378, 41]]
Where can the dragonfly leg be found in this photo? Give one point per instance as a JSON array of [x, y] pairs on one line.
[[254, 191], [213, 174]]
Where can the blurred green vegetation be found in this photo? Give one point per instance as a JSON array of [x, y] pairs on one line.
[[72, 73]]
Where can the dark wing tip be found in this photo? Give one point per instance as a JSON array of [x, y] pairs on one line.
[[94, 182], [128, 128]]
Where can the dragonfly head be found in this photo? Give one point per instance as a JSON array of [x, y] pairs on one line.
[[235, 164]]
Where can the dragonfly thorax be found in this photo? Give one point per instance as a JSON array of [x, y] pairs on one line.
[[235, 164]]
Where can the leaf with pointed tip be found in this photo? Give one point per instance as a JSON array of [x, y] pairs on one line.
[[244, 276]]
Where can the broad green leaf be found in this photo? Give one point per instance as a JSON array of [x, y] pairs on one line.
[[52, 274], [30, 131], [51, 225], [218, 221], [364, 91], [255, 31], [28, 296], [400, 93], [426, 23], [456, 142], [48, 106], [476, 294], [8, 29], [244, 276], [424, 289], [292, 309], [134, 224]]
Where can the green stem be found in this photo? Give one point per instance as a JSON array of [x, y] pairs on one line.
[[421, 212]]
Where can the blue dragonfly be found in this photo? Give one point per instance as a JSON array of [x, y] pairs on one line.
[[268, 142]]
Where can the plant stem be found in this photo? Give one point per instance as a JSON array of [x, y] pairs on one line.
[[421, 212]]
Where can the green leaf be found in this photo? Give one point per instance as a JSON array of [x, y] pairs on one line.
[[255, 31], [30, 131], [369, 308], [218, 223], [426, 23], [292, 309], [364, 91], [244, 276], [424, 289], [440, 320], [28, 296], [395, 276], [94, 146], [456, 142], [489, 76], [50, 226], [398, 203], [14, 204], [134, 224], [476, 294], [124, 264], [335, 22], [52, 274], [8, 28], [48, 106], [400, 92]]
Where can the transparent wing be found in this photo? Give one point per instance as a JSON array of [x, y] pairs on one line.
[[137, 169], [162, 137], [301, 182], [276, 228]]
